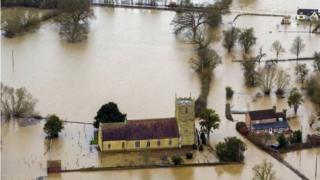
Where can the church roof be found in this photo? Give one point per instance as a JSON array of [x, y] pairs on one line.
[[140, 129]]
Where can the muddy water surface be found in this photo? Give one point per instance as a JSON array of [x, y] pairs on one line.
[[133, 59]]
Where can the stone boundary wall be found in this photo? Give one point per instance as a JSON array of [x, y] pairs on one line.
[[149, 167]]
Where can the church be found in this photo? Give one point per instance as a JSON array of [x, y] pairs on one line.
[[160, 133]]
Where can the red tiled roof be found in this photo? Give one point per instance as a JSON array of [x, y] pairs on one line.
[[141, 129]]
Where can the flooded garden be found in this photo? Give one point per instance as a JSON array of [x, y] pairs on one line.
[[132, 57]]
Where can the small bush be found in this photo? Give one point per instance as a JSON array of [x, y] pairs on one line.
[[53, 126], [231, 150], [194, 146], [242, 128], [228, 112], [176, 159], [201, 147], [189, 155], [94, 141], [282, 140], [229, 92], [296, 137], [203, 138]]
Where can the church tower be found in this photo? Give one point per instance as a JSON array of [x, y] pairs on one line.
[[185, 117]]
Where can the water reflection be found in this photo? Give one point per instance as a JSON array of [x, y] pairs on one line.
[[233, 170]]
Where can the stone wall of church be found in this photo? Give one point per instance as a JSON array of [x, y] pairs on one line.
[[185, 116]]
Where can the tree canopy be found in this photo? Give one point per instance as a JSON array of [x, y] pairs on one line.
[[53, 126], [109, 113], [301, 72], [247, 39], [295, 99], [313, 89], [230, 37], [74, 19], [250, 73], [231, 149], [209, 120]]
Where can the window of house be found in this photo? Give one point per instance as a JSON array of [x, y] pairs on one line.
[[148, 143], [170, 142], [159, 143], [137, 144], [109, 146], [186, 110], [123, 145]]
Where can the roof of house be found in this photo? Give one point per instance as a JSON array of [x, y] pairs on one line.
[[265, 114], [262, 114], [274, 125], [140, 129], [307, 12]]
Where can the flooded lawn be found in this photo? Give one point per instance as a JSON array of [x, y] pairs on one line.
[[132, 58]]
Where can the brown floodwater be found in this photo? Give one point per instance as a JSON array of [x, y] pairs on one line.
[[132, 58]]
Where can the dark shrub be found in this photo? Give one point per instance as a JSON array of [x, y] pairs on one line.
[[231, 149], [53, 126], [203, 138], [229, 92], [242, 128], [296, 137], [194, 146], [280, 93], [189, 155], [172, 5], [176, 159], [282, 140], [201, 147], [109, 113], [228, 112]]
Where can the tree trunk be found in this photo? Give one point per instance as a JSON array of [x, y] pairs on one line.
[[295, 109]]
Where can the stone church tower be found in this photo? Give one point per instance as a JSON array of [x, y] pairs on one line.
[[185, 117]]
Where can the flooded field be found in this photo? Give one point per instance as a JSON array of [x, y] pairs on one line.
[[132, 58]]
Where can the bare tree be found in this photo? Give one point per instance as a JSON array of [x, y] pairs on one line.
[[202, 38], [264, 171], [277, 49], [267, 78], [74, 19], [188, 22], [282, 81], [16, 102], [260, 55], [297, 46]]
